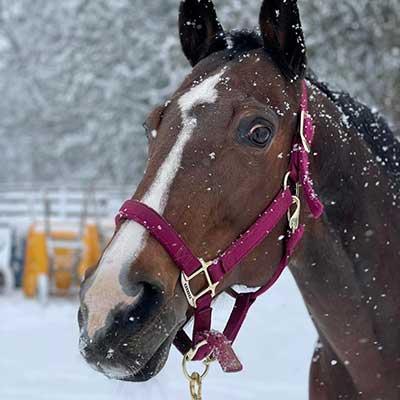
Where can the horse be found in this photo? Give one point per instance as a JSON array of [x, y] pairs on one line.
[[219, 150]]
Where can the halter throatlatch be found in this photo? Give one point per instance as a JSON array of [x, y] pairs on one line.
[[207, 344]]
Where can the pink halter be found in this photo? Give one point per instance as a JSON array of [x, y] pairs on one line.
[[207, 343]]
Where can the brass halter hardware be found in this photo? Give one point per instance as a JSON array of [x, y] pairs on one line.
[[185, 281], [293, 218], [195, 379], [195, 386], [304, 141]]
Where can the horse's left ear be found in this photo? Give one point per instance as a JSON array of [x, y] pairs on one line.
[[283, 36], [200, 32]]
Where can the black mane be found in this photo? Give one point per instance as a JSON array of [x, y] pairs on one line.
[[371, 125]]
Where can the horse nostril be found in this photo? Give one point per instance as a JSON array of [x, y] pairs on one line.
[[149, 301], [136, 290], [104, 329]]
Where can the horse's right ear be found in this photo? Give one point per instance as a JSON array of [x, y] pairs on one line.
[[200, 32]]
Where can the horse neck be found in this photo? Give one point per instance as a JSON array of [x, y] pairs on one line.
[[347, 269]]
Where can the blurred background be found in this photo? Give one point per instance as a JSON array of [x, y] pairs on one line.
[[77, 79]]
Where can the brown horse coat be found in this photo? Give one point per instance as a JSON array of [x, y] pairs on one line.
[[210, 177]]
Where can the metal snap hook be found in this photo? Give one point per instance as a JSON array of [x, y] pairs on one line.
[[294, 219]]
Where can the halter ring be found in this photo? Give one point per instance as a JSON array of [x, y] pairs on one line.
[[192, 352], [189, 357]]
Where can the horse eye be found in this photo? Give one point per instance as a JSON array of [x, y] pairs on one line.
[[260, 135]]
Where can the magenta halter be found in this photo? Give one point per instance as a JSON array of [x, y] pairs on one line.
[[207, 343]]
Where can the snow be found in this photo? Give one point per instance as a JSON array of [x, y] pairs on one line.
[[5, 246], [64, 82], [6, 274], [40, 358]]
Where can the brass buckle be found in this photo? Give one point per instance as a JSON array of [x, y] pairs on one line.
[[185, 281], [303, 138]]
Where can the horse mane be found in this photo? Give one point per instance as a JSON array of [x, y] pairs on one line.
[[240, 41], [370, 125]]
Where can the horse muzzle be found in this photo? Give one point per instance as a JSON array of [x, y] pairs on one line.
[[134, 343]]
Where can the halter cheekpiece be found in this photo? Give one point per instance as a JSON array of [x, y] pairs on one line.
[[208, 344]]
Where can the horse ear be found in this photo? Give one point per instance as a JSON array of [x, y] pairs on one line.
[[283, 36], [200, 32]]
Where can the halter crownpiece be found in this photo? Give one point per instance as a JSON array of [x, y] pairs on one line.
[[207, 344]]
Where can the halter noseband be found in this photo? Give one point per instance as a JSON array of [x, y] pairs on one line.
[[207, 343]]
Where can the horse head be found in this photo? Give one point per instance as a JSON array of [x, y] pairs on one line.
[[218, 151]]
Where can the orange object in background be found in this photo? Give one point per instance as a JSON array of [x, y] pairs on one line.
[[36, 260], [92, 254], [55, 262]]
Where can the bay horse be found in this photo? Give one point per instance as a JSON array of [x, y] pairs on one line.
[[219, 149]]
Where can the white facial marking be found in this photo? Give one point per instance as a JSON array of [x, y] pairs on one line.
[[204, 93], [106, 291]]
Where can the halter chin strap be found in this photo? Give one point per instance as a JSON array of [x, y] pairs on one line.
[[207, 343]]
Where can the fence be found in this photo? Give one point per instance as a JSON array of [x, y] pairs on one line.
[[21, 206]]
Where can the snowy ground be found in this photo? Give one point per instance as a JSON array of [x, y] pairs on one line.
[[39, 357]]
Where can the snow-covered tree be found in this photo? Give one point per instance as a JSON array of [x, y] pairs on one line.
[[355, 44], [77, 78]]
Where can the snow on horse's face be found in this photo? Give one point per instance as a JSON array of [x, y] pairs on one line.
[[218, 150]]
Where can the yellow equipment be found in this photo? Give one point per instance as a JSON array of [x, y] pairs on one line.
[[58, 255]]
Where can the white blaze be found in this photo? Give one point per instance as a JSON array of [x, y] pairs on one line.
[[106, 291]]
